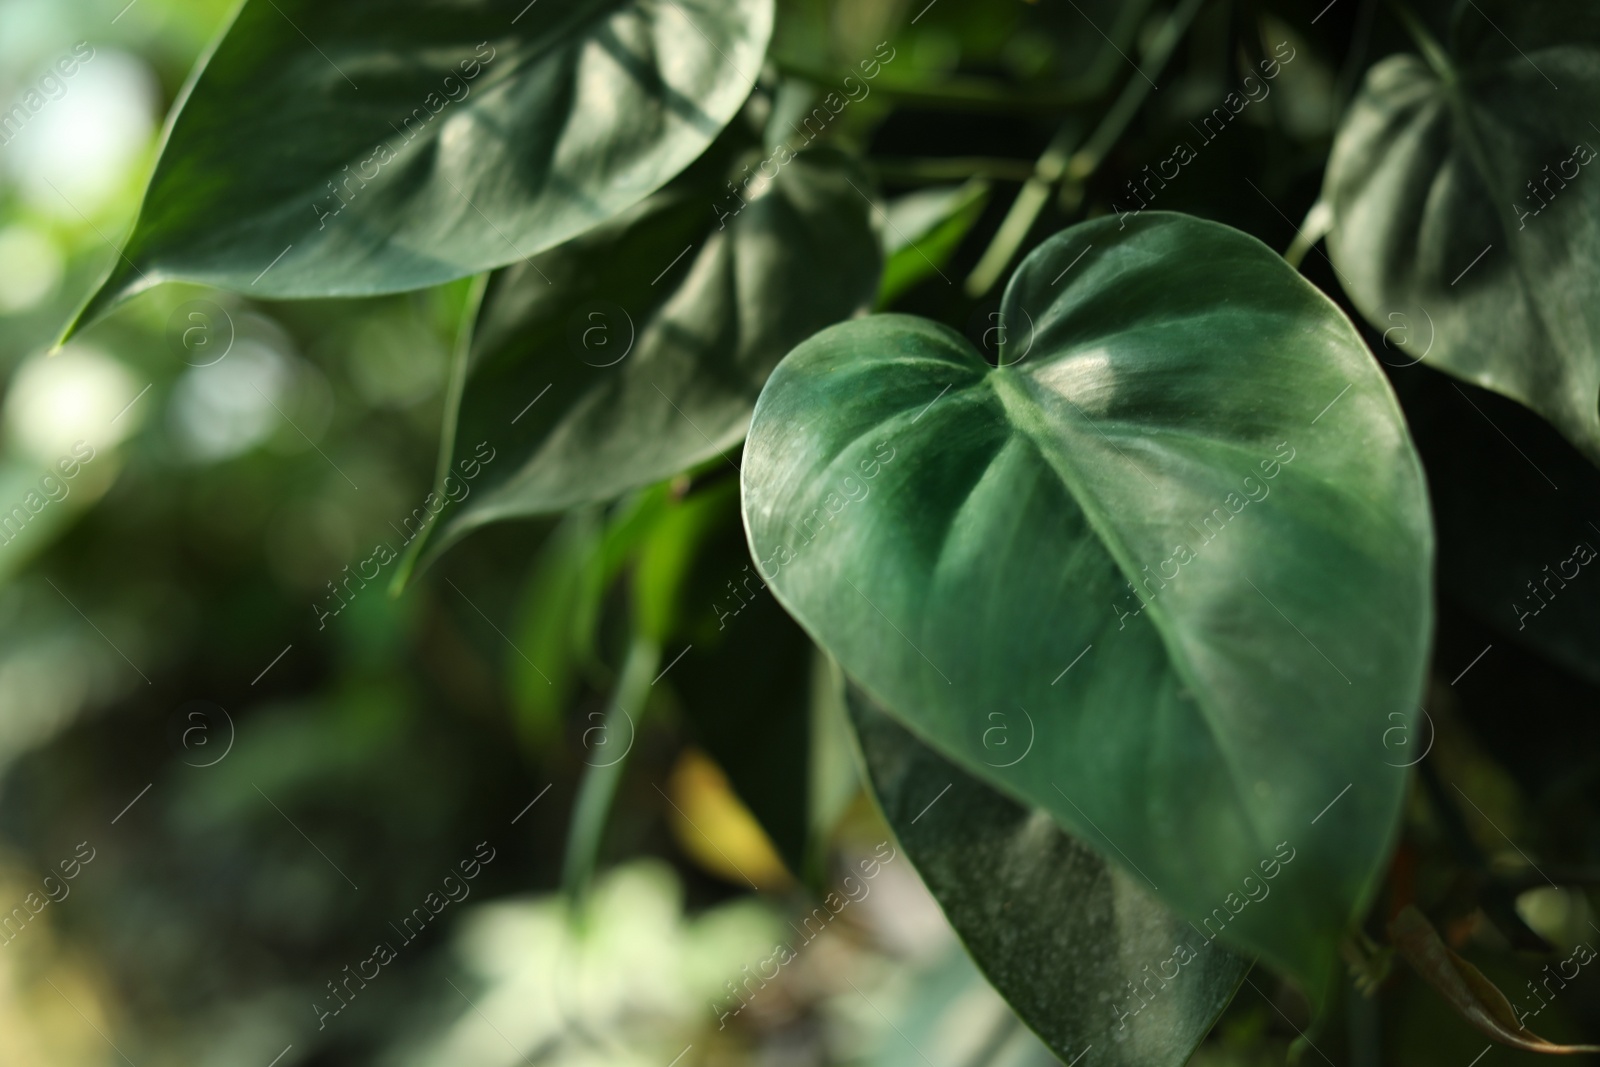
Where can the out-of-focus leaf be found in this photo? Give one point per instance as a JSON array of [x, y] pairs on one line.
[[559, 619], [1080, 948], [714, 827], [563, 593], [1475, 998], [374, 146], [667, 558], [638, 351], [1175, 408], [635, 970], [1463, 212], [663, 536], [923, 230]]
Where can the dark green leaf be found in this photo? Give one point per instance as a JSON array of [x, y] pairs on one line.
[[638, 351], [665, 596], [1081, 949], [1466, 212], [1178, 409], [554, 630], [373, 146]]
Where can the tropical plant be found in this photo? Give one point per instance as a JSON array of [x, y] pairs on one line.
[[1125, 571]]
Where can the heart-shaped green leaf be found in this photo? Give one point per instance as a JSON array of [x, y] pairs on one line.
[[374, 146], [638, 351], [1178, 409], [1080, 949], [1467, 212]]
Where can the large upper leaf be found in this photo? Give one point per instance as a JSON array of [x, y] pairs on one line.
[[343, 149], [1179, 408], [642, 347], [1467, 209], [1081, 949]]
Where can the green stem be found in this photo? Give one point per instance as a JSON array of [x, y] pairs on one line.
[[1427, 43], [1086, 161], [447, 430], [1013, 231], [1317, 225], [619, 727], [1060, 163]]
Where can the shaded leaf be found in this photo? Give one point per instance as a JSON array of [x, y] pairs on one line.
[[637, 351], [374, 146], [715, 828], [563, 592], [1179, 409], [664, 594], [1465, 211], [1081, 949]]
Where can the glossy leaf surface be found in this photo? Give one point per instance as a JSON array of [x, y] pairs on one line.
[[366, 147], [1177, 409]]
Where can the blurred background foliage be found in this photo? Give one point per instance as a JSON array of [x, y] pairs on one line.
[[297, 788]]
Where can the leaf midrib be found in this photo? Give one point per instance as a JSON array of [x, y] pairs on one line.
[[1016, 392]]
